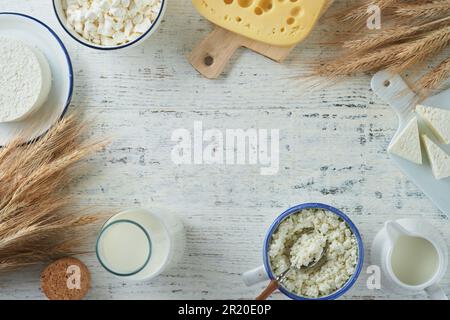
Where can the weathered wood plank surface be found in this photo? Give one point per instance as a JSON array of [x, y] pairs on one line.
[[332, 149]]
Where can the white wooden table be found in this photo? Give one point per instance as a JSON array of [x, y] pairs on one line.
[[333, 150]]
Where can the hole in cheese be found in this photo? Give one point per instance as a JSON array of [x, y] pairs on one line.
[[276, 22], [245, 3]]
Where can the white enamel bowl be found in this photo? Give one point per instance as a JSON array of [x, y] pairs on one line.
[[58, 6]]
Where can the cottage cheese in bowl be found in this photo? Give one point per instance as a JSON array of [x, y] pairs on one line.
[[109, 23], [287, 248]]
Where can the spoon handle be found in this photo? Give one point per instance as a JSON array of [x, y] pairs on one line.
[[273, 285]]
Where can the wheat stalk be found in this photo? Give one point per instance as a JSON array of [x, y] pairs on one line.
[[393, 35], [432, 10], [433, 80], [416, 31], [395, 57], [359, 14], [419, 50], [38, 220]]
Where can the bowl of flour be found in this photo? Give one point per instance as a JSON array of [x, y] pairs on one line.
[[299, 237]]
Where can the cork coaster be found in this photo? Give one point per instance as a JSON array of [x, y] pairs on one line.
[[65, 279]]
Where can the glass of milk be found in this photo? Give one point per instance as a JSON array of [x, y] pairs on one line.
[[139, 245]]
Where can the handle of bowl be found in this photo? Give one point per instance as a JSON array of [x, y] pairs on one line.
[[435, 292], [255, 276]]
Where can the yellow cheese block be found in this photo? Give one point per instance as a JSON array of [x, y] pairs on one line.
[[276, 22]]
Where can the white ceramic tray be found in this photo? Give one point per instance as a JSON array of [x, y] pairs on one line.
[[394, 91], [38, 35]]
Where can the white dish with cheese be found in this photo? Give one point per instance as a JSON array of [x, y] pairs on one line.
[[25, 79], [419, 147], [407, 143], [110, 24], [45, 88]]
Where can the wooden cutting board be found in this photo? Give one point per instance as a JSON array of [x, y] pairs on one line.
[[213, 53]]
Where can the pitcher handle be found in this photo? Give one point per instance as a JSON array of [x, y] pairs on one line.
[[435, 292], [255, 276]]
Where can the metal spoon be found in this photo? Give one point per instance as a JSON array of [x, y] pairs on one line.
[[313, 266]]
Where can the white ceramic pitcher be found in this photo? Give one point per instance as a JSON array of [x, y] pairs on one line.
[[382, 256]]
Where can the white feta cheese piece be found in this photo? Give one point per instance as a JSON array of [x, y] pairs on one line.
[[143, 26], [90, 27], [407, 144], [25, 79], [138, 19], [86, 34], [118, 26], [128, 28], [134, 36], [107, 28], [78, 27], [105, 5], [116, 3], [119, 37], [76, 17], [71, 3], [155, 9], [439, 159], [118, 12], [91, 15], [107, 41], [438, 120]]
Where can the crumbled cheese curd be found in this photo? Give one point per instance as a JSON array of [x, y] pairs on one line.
[[287, 248], [111, 22], [307, 250]]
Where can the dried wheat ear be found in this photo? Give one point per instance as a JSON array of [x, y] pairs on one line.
[[412, 33], [39, 219]]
